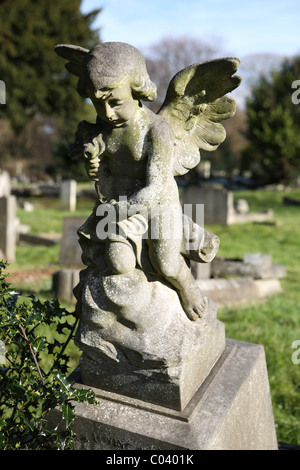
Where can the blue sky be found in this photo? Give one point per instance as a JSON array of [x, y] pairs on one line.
[[237, 27]]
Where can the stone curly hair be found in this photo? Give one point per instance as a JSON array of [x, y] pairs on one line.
[[108, 63]]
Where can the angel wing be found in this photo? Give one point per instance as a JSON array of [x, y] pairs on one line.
[[194, 106], [74, 54]]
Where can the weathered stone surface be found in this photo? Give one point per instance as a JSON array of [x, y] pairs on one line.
[[230, 411], [148, 334], [137, 340]]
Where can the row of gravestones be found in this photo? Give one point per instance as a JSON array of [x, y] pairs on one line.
[[10, 228], [219, 209], [216, 201], [254, 277]]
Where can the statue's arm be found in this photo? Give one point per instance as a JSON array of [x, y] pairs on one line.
[[159, 175]]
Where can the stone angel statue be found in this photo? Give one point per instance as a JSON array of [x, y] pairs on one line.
[[137, 232]]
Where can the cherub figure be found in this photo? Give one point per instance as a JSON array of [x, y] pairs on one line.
[[133, 154]]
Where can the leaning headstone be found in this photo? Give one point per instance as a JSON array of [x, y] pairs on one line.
[[8, 227], [68, 195], [70, 250]]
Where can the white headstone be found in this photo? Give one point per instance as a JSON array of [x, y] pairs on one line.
[[5, 186], [68, 195], [8, 227]]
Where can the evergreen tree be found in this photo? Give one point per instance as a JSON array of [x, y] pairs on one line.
[[273, 125], [37, 83]]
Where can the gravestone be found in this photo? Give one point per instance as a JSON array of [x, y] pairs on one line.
[[68, 195], [219, 206], [254, 265], [8, 226], [5, 184], [70, 250], [63, 283], [218, 203], [201, 270], [239, 290], [242, 206]]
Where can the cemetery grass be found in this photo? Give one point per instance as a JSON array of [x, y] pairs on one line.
[[274, 322]]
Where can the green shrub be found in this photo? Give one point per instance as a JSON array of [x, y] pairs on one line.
[[34, 337]]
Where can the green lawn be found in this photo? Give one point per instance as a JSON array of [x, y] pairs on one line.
[[273, 323]]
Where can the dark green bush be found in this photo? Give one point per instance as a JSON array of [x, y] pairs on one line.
[[34, 365]]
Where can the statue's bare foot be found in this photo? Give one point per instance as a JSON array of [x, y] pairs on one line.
[[194, 302]]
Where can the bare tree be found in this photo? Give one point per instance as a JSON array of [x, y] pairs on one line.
[[171, 54], [254, 65]]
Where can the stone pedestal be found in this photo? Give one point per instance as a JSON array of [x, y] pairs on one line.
[[172, 385], [137, 340], [231, 410]]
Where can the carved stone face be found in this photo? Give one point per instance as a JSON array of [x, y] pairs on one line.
[[114, 105]]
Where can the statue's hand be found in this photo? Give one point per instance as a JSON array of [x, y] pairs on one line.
[[92, 161], [89, 145], [88, 142]]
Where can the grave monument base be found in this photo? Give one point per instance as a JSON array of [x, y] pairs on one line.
[[231, 410]]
